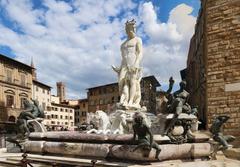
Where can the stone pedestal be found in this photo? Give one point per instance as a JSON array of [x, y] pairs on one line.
[[168, 152], [123, 152], [98, 146]]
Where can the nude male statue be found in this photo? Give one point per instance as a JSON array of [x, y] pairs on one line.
[[177, 102], [129, 73]]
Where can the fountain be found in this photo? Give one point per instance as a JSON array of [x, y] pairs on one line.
[[127, 133]]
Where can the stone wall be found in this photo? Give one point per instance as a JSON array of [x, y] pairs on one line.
[[223, 66], [196, 67], [213, 66]]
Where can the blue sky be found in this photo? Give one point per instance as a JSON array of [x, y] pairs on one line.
[[77, 41]]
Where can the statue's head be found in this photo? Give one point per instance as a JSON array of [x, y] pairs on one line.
[[223, 118], [36, 102], [130, 27], [26, 103], [183, 84], [138, 119]]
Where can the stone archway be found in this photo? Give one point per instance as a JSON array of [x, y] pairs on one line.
[[12, 119]]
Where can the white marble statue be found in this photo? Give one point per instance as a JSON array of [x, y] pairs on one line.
[[118, 122], [100, 120], [129, 73]]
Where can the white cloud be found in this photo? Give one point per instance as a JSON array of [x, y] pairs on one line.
[[23, 14], [167, 47], [77, 42], [157, 31]]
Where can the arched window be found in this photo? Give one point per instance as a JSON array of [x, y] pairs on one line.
[[23, 97], [11, 119], [9, 98]]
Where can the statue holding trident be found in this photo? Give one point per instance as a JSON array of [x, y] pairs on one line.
[[129, 73]]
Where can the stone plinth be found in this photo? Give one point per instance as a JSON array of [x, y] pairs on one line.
[[168, 151], [123, 152], [77, 144], [77, 137]]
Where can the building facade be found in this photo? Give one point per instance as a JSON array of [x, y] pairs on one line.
[[42, 93], [81, 112], [15, 87], [59, 116], [105, 97], [213, 66]]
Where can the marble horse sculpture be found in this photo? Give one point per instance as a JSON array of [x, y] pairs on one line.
[[114, 124], [118, 122], [101, 120]]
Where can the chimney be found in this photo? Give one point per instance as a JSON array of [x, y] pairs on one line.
[[61, 91]]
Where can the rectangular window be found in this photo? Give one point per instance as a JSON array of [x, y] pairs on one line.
[[9, 76], [70, 117], [61, 117], [23, 79], [83, 105], [66, 117], [9, 100], [22, 101], [36, 89], [90, 93], [43, 90], [44, 106]]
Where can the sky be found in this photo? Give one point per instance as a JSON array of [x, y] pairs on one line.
[[77, 41]]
